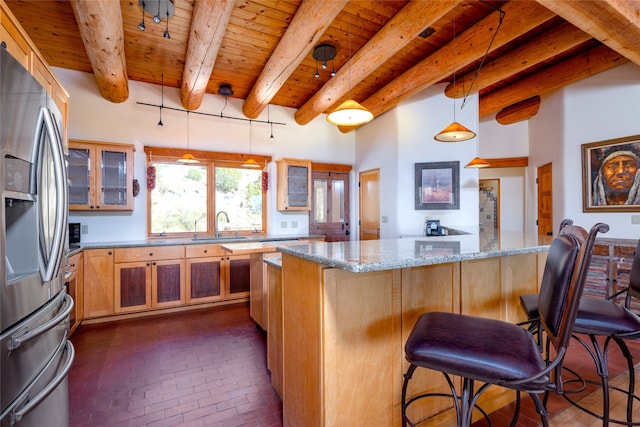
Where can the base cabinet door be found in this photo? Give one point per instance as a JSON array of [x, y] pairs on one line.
[[237, 276], [167, 286], [203, 279], [133, 286], [98, 288]]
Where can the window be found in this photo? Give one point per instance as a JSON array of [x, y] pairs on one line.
[[187, 197]]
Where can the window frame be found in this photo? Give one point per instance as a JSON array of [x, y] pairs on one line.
[[212, 160]]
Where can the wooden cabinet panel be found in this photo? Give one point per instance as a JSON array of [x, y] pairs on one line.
[[149, 253], [98, 288], [74, 283], [293, 185], [168, 283], [17, 44], [274, 326], [198, 251], [239, 276], [204, 279], [132, 286]]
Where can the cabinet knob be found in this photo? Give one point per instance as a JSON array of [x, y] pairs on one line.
[[148, 264], [109, 253], [205, 251], [150, 253]]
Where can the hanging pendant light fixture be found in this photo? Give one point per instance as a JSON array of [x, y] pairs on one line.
[[162, 8], [478, 163], [455, 132], [250, 163], [188, 157], [166, 34], [162, 101], [350, 112]]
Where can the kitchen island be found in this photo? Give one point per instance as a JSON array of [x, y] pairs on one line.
[[348, 308]]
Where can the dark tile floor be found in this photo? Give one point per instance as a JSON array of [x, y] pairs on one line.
[[206, 367]]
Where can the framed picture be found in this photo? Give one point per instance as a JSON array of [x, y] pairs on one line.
[[610, 178], [437, 185]]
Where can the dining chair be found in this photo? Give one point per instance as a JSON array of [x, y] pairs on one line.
[[497, 352]]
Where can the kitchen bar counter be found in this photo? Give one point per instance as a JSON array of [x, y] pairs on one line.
[[387, 254], [348, 308]]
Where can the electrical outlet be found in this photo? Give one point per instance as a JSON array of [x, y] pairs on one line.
[[384, 219], [283, 224], [84, 229], [635, 219], [294, 224]]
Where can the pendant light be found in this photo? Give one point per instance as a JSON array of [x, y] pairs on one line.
[[477, 162], [455, 132], [350, 112], [188, 158], [250, 163], [141, 25]]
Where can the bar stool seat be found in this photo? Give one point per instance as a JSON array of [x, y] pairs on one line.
[[471, 352]]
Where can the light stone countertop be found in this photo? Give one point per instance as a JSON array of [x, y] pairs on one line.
[[388, 254]]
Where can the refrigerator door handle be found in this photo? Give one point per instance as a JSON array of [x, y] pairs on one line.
[[23, 403], [56, 251], [17, 340]]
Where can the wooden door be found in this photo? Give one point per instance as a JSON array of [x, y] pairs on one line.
[[330, 205], [98, 289], [545, 200], [204, 279], [168, 283], [370, 204]]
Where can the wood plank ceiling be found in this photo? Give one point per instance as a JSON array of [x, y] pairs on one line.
[[263, 48]]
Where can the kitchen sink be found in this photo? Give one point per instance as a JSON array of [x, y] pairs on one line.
[[219, 239]]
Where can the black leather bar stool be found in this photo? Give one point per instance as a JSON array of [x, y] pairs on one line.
[[611, 322], [502, 353]]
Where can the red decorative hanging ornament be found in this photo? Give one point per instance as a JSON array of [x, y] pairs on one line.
[[265, 181], [151, 177]]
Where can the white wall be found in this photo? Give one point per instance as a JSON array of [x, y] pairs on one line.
[[94, 118], [402, 137], [604, 106]]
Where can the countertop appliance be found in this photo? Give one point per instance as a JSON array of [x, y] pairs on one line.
[[432, 227], [35, 354]]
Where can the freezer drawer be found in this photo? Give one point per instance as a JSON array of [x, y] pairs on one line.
[[29, 346]]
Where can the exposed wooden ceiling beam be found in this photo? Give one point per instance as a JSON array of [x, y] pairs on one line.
[[615, 23], [561, 38], [522, 110], [311, 19], [470, 46], [399, 31], [210, 19], [596, 60], [100, 25]]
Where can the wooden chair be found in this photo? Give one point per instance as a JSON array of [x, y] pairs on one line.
[[501, 353]]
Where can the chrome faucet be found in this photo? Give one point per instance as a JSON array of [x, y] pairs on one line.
[[226, 217]]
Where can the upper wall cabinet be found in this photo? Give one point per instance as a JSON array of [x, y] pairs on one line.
[[293, 185], [100, 176], [18, 44]]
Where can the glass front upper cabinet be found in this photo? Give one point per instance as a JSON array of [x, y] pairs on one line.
[[100, 176]]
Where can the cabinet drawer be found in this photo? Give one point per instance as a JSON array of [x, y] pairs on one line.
[[149, 253], [199, 251], [73, 263]]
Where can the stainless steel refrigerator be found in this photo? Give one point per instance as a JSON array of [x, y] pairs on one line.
[[35, 355]]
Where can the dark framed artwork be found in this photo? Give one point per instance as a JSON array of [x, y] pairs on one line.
[[437, 185], [610, 178]]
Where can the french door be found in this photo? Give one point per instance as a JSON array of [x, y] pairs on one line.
[[330, 206]]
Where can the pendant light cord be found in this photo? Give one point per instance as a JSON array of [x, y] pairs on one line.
[[475, 76]]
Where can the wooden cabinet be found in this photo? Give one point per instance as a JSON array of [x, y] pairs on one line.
[[213, 274], [98, 288], [74, 284], [149, 277], [293, 185], [100, 176]]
